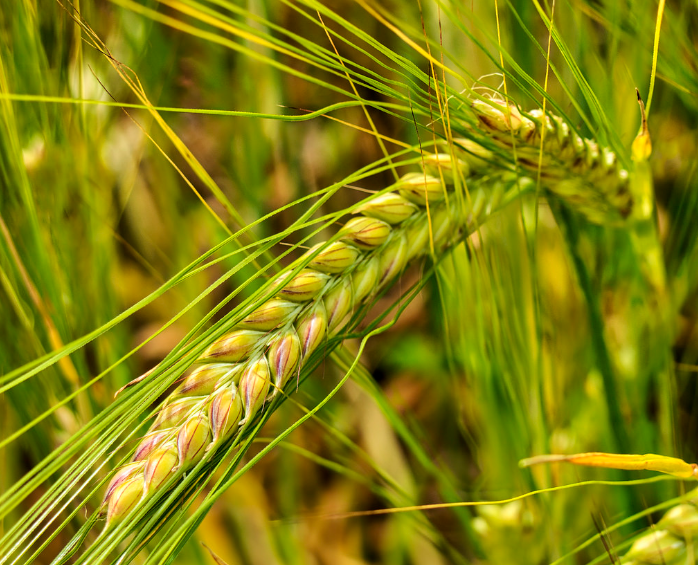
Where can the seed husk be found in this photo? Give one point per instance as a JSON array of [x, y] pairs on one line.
[[366, 233], [126, 473], [175, 413], [123, 498], [203, 380], [420, 188], [657, 547], [254, 387], [311, 328], [477, 157], [417, 237], [682, 521], [225, 412], [192, 439], [270, 315], [441, 225], [336, 258], [364, 279], [305, 286], [501, 117], [338, 303], [283, 356], [389, 207], [149, 443], [159, 465], [392, 260], [233, 347], [443, 165]]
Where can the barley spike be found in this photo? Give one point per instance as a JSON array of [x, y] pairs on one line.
[[240, 372]]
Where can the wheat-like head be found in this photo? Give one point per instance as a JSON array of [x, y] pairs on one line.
[[240, 372]]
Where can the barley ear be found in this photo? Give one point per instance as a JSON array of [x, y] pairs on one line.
[[231, 386]]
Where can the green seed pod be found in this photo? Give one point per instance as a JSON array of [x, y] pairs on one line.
[[203, 381], [233, 347], [527, 129], [126, 473], [160, 463], [417, 236], [544, 121], [442, 225], [254, 386], [420, 188], [123, 498], [392, 260], [477, 157], [681, 520], [364, 279], [175, 412], [269, 315], [312, 327], [335, 258], [657, 547], [149, 443], [577, 147], [365, 232], [479, 201], [200, 382], [497, 117], [569, 145], [338, 303], [590, 158], [192, 438], [561, 136], [492, 115], [303, 287], [442, 165], [389, 207], [283, 356], [225, 412]]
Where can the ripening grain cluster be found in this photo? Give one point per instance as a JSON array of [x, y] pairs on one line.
[[319, 295]]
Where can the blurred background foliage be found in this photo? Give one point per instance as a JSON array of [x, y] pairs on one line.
[[496, 360]]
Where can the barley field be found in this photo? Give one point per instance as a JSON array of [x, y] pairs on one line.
[[348, 282]]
